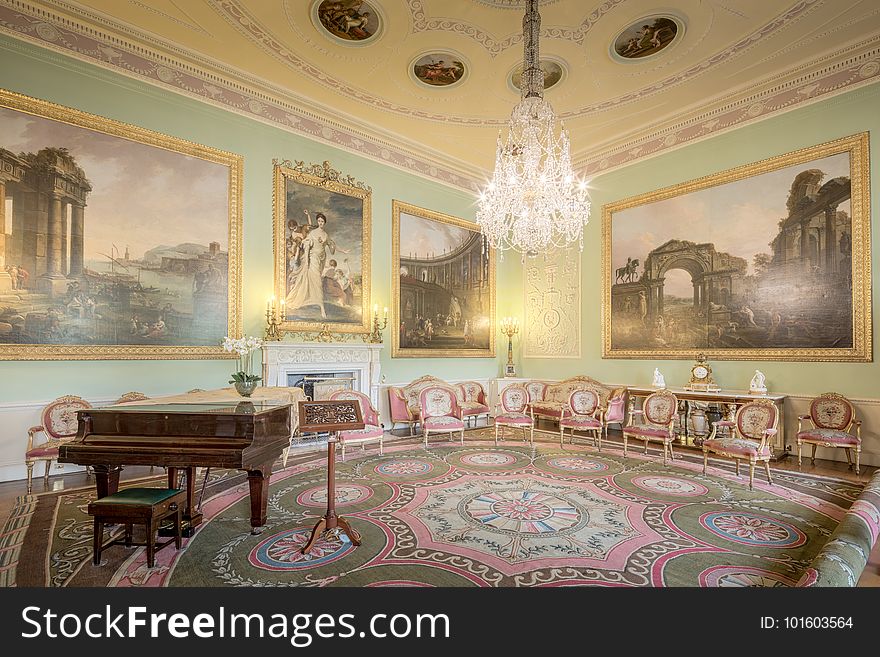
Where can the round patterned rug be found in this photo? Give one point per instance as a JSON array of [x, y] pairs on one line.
[[480, 515]]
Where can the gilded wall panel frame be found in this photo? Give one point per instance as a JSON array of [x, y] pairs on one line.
[[442, 286], [766, 261], [117, 242], [322, 249]]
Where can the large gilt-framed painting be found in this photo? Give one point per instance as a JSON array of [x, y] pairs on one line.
[[768, 261], [442, 286], [116, 242], [322, 231]]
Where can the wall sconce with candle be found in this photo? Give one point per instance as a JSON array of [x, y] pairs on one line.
[[375, 336], [510, 327]]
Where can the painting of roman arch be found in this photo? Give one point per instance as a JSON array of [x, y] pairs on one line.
[[443, 286], [115, 241], [767, 261]]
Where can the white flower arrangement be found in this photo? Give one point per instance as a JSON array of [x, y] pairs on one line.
[[245, 348]]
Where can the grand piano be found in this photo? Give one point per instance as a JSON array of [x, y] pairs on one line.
[[247, 436]]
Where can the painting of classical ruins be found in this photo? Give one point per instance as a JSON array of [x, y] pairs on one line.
[[768, 260], [443, 286], [116, 242]]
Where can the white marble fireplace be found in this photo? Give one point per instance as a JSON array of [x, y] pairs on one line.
[[361, 361]]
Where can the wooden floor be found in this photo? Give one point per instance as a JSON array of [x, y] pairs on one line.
[[870, 577]]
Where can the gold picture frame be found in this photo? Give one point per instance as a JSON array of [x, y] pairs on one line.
[[343, 295], [455, 316], [806, 213], [73, 298]]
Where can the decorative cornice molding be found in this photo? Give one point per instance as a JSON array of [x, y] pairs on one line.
[[166, 65], [232, 90], [841, 71]]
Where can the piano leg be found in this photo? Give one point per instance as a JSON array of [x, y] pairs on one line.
[[258, 480], [106, 479]]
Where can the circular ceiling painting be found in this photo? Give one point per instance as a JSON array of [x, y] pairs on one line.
[[439, 69], [647, 37], [553, 73], [349, 20]]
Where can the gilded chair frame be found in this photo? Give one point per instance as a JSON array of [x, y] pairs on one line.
[[667, 424], [853, 422], [763, 454], [502, 404]]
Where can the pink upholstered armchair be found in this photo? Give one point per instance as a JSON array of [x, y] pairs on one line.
[[513, 403], [615, 411], [440, 412], [59, 424], [833, 418], [584, 414], [472, 399], [404, 401], [372, 430], [658, 412], [750, 433]]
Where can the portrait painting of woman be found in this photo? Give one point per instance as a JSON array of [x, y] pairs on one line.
[[322, 251]]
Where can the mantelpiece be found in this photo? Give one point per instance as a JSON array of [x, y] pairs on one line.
[[281, 359]]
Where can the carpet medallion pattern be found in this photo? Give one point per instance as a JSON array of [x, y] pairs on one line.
[[480, 515]]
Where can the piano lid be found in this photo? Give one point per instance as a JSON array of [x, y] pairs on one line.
[[202, 408]]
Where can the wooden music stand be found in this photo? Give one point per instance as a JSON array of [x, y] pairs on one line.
[[333, 416]]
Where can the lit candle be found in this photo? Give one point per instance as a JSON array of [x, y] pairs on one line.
[[386, 311], [375, 308], [282, 307], [269, 305]]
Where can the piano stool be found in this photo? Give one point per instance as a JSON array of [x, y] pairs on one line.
[[146, 506]]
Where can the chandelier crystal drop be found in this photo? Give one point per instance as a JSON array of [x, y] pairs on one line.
[[534, 202]]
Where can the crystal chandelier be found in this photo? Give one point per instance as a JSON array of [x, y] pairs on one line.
[[534, 202]]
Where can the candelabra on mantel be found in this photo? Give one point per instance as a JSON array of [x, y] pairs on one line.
[[510, 327], [274, 318], [375, 335]]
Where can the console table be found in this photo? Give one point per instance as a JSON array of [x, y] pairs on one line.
[[728, 402]]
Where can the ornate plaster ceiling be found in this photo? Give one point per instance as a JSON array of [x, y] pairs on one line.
[[731, 61]]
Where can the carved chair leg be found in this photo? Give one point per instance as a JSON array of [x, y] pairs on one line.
[[496, 435], [767, 468], [705, 459], [858, 453], [97, 540], [737, 466], [800, 445], [599, 440], [646, 447], [813, 457], [848, 458], [671, 453], [751, 473], [30, 476], [532, 438], [46, 474], [343, 450], [665, 453], [462, 436], [561, 435]]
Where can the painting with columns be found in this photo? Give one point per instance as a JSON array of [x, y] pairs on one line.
[[769, 260], [443, 286], [115, 241]]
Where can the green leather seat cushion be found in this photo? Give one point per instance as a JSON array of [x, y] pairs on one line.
[[138, 496]]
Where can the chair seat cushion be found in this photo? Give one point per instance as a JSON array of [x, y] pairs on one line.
[[513, 418], [369, 431], [832, 436], [650, 432], [137, 497], [473, 408], [443, 423], [580, 422], [42, 452], [738, 446]]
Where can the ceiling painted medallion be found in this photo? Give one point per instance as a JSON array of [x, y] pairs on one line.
[[351, 21], [647, 37], [439, 69], [554, 72]]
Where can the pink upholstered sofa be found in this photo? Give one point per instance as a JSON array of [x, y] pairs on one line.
[[550, 400], [404, 400]]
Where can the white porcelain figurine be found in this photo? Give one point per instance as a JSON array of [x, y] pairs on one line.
[[758, 385], [659, 381]]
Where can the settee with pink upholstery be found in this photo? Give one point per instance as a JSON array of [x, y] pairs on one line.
[[404, 400], [550, 400]]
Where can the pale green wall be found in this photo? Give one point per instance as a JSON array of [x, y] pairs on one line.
[[846, 114], [49, 76]]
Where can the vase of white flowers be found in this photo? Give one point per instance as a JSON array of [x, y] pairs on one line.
[[244, 380]]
